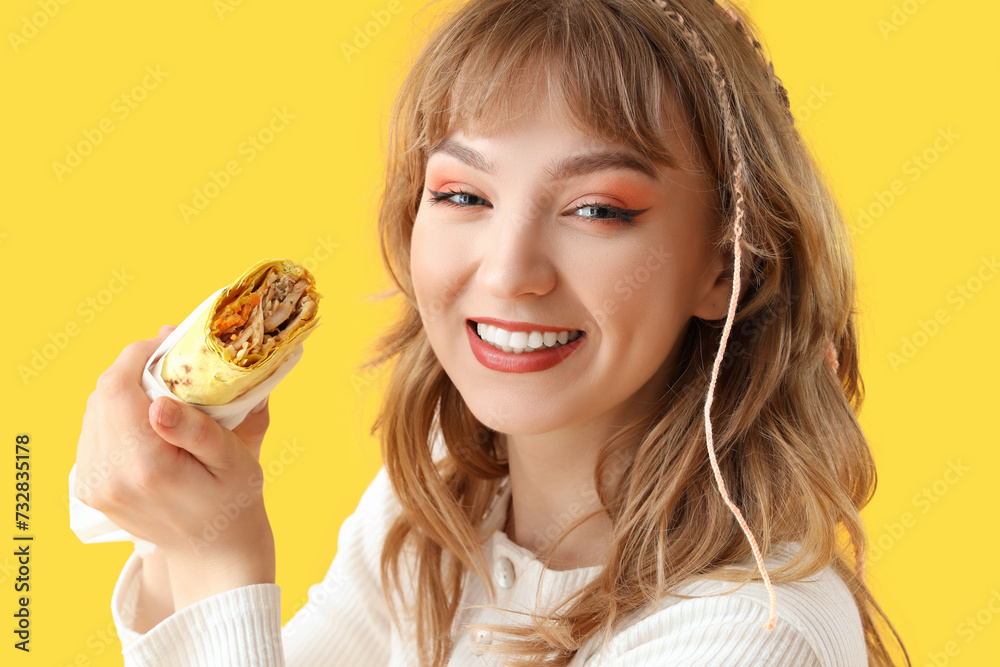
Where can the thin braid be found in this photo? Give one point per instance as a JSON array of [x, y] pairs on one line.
[[779, 87], [720, 84]]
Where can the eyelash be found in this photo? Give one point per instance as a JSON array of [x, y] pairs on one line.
[[624, 217]]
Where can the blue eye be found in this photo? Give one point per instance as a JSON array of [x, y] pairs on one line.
[[601, 213], [596, 212], [607, 213], [460, 199]]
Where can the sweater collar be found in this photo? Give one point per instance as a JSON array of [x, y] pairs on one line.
[[523, 559]]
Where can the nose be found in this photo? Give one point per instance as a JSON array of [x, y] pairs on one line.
[[516, 257]]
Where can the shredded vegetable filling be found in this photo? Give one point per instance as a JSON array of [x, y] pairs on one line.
[[253, 324]]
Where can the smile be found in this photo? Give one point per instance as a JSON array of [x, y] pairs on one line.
[[520, 351], [524, 341]]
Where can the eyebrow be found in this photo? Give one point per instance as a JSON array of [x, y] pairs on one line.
[[574, 165]]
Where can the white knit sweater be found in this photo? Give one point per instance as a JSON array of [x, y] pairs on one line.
[[346, 623]]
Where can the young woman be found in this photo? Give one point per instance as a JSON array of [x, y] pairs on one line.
[[621, 422]]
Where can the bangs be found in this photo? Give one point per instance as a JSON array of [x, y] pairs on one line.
[[495, 67]]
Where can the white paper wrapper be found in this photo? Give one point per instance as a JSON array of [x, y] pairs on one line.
[[91, 525]]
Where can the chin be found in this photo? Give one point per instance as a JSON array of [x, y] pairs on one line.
[[525, 416]]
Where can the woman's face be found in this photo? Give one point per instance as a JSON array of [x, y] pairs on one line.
[[526, 226]]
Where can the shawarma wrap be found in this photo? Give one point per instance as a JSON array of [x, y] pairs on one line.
[[247, 332]]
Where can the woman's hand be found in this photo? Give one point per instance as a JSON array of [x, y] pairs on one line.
[[169, 474]]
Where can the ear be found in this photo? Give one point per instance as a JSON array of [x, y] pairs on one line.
[[717, 286]]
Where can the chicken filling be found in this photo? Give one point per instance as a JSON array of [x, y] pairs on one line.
[[253, 324]]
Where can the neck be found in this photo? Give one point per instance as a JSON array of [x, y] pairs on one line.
[[552, 483], [552, 486]]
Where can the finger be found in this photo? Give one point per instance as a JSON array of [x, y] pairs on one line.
[[253, 427], [130, 362], [166, 329], [192, 430], [124, 406]]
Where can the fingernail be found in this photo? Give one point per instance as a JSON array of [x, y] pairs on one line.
[[260, 406], [169, 415]]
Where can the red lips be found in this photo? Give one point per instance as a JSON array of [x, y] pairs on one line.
[[512, 362]]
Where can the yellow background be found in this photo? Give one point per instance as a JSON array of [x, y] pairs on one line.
[[872, 85]]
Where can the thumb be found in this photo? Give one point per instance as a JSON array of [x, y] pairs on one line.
[[189, 428], [253, 427]]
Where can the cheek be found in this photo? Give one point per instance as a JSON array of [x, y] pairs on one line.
[[422, 262], [434, 269], [642, 291]]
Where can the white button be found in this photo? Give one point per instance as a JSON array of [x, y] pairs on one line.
[[480, 637], [503, 570]]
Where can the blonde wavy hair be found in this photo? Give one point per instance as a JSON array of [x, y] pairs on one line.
[[786, 438]]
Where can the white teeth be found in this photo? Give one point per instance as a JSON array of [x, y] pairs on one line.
[[523, 341]]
